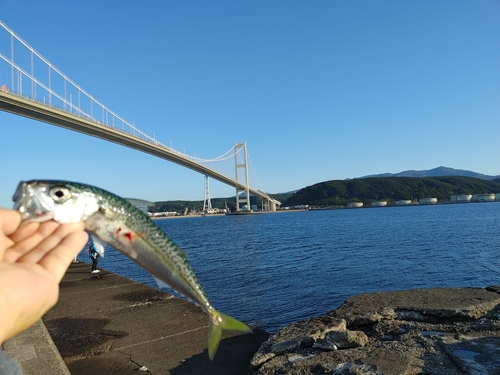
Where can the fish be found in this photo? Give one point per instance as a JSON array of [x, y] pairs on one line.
[[115, 221]]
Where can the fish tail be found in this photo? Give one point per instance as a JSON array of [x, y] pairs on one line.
[[218, 322]]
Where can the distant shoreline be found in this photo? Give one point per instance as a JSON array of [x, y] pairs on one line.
[[340, 207]]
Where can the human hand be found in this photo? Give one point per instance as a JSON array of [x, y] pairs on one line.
[[33, 260]]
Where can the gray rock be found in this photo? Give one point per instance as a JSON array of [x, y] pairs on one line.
[[342, 340], [448, 331], [474, 354], [296, 336]]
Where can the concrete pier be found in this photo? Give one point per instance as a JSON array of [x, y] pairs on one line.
[[35, 352], [108, 324]]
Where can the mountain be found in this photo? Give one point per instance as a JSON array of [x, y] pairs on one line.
[[390, 189], [436, 172]]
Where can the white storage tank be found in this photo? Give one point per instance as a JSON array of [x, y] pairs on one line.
[[484, 197], [379, 204], [403, 202], [460, 198], [355, 205], [428, 201]]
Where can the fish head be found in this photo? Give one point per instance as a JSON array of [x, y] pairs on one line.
[[61, 201]]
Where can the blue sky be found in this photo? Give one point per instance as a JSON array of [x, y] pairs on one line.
[[318, 90]]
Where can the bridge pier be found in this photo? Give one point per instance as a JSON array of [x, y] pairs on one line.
[[237, 166], [268, 204]]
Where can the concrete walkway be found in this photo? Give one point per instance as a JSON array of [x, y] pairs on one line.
[[35, 352], [107, 324]]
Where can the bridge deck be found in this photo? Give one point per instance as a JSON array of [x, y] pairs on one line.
[[41, 112]]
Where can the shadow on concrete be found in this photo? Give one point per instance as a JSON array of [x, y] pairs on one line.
[[67, 284], [143, 296], [105, 364], [75, 283], [232, 358], [81, 337]]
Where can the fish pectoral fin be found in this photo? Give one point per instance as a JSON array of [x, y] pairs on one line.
[[218, 322], [99, 245], [161, 284]]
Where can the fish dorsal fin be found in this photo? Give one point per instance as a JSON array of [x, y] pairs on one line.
[[99, 245], [183, 253]]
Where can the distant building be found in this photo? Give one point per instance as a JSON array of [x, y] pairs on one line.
[[483, 197], [428, 200], [355, 205], [403, 203], [460, 198]]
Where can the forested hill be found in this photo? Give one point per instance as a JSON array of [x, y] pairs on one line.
[[390, 189]]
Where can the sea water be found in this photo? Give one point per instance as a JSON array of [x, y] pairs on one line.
[[269, 270]]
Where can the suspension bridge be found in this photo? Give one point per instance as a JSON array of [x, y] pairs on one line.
[[33, 87]]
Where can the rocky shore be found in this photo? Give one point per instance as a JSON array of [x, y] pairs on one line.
[[445, 331]]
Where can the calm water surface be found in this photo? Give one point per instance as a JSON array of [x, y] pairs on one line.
[[271, 269]]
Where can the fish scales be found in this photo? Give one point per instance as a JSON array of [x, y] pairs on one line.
[[155, 241]]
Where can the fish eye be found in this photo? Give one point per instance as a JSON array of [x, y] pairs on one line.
[[59, 193]]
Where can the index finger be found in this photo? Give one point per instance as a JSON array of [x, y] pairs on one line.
[[57, 260], [9, 221]]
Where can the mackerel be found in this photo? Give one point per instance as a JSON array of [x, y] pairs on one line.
[[115, 221]]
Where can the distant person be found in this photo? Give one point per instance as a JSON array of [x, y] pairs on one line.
[[94, 255]]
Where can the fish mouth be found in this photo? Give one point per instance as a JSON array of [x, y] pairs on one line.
[[32, 203]]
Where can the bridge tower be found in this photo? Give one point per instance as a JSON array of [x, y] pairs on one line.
[[237, 166], [207, 203]]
